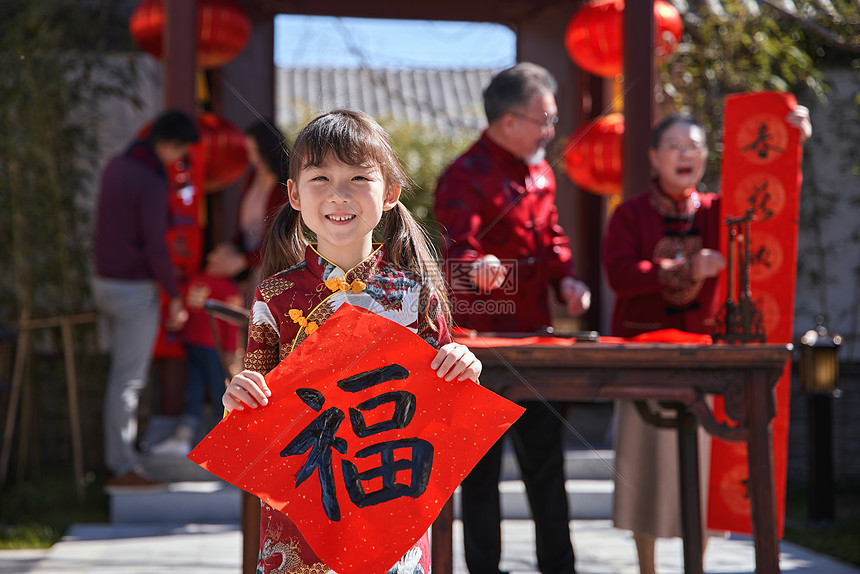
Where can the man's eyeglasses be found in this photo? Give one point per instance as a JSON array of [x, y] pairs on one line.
[[678, 147], [546, 123]]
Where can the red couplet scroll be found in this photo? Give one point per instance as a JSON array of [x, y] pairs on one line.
[[361, 443], [760, 174]]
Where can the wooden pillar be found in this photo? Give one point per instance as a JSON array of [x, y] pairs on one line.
[[248, 81], [180, 55], [638, 94], [246, 92], [540, 39], [180, 67]]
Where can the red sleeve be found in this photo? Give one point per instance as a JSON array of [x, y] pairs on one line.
[[262, 354], [557, 253], [458, 209], [434, 328], [560, 258], [629, 269]]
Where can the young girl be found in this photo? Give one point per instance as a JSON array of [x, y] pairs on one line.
[[345, 179]]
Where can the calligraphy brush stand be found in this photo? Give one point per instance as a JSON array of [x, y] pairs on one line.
[[739, 320]]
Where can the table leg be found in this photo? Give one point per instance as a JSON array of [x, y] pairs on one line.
[[442, 540], [250, 532], [691, 513], [760, 456]]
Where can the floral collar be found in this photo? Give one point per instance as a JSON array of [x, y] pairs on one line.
[[671, 207], [335, 278]]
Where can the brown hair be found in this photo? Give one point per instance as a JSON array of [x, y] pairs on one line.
[[355, 138]]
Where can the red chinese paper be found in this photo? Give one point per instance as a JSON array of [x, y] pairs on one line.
[[327, 379], [184, 238], [760, 171]]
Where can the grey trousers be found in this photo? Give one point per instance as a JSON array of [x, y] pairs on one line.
[[131, 310]]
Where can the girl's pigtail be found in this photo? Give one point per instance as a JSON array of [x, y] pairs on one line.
[[408, 246], [284, 244]]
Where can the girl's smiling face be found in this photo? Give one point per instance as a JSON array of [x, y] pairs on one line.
[[680, 158], [342, 204]]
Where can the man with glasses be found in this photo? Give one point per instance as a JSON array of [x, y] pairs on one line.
[[503, 252]]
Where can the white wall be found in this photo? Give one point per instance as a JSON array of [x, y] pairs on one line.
[[832, 182]]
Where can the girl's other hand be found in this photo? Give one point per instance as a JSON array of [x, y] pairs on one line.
[[246, 388], [456, 360]]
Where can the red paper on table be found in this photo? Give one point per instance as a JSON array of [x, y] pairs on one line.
[[357, 397], [760, 171]]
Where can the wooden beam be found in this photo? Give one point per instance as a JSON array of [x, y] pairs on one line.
[[500, 11], [180, 55], [638, 95]]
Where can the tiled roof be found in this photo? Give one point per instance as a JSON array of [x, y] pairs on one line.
[[447, 99]]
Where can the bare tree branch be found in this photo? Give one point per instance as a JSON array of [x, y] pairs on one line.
[[829, 35]]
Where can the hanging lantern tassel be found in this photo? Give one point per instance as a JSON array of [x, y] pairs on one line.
[[594, 37], [592, 159]]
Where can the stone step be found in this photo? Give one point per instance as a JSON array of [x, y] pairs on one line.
[[193, 494], [218, 502], [586, 499], [209, 502], [578, 464]]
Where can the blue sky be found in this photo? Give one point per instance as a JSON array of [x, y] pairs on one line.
[[302, 41]]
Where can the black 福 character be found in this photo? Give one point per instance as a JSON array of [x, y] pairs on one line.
[[420, 462], [319, 437]]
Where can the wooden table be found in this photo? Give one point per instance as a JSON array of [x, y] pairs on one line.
[[678, 374]]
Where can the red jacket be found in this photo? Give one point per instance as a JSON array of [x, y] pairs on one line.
[[644, 230], [490, 202]]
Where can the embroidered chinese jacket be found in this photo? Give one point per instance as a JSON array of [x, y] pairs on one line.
[[287, 308], [490, 202], [643, 232]]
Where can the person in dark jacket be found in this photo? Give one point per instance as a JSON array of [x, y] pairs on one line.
[[131, 262]]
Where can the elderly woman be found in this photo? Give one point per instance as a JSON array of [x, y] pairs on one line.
[[661, 257]]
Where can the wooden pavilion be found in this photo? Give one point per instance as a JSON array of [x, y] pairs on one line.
[[540, 27]]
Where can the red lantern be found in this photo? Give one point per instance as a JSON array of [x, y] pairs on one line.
[[224, 155], [223, 30], [667, 28], [593, 156], [594, 36]]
